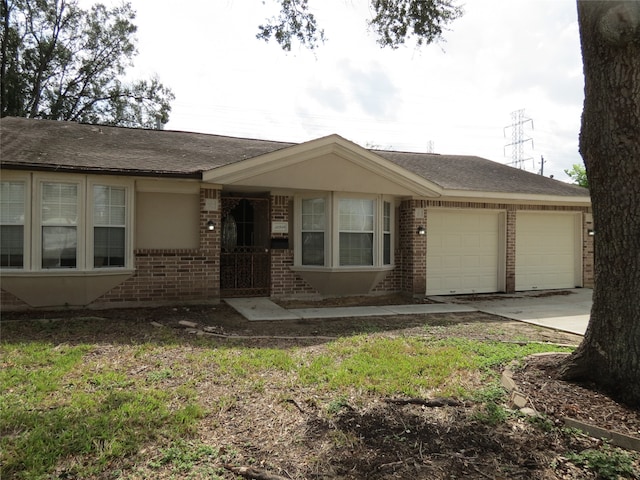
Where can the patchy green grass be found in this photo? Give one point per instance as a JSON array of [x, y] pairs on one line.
[[75, 411], [609, 463], [407, 365]]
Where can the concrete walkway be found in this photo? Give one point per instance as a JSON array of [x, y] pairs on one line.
[[566, 310], [258, 309]]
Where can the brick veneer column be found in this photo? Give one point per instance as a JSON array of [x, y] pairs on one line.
[[210, 241], [284, 282], [413, 247], [588, 251]]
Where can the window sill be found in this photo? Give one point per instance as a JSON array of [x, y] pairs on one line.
[[65, 272], [351, 269]]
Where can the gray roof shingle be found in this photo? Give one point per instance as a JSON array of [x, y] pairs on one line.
[[460, 172], [67, 146], [32, 143]]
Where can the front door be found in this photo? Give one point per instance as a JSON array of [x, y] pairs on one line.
[[245, 264]]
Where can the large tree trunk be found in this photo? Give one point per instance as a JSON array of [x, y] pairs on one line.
[[610, 147]]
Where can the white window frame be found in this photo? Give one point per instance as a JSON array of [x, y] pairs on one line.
[[8, 176], [85, 226], [89, 233], [332, 231], [39, 181]]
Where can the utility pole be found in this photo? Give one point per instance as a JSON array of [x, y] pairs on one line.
[[518, 139], [542, 165]]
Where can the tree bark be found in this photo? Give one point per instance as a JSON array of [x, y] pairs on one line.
[[609, 355]]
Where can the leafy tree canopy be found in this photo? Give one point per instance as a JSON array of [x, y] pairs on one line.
[[578, 174], [394, 21], [61, 62]]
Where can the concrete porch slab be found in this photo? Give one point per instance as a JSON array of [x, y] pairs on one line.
[[259, 309]]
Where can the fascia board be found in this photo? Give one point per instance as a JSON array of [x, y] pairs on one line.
[[525, 197]]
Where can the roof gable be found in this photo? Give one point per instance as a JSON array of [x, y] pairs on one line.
[[327, 163]]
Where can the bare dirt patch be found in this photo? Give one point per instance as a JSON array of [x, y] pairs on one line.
[[298, 433]]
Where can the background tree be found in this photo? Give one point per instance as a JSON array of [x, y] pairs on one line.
[[609, 356], [61, 62], [578, 174]]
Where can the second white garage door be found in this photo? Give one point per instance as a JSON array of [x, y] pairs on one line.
[[546, 249], [462, 252]]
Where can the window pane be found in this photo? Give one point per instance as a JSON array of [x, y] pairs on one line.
[[356, 215], [386, 237], [386, 249], [59, 204], [356, 249], [11, 246], [387, 216], [313, 215], [59, 247], [313, 248], [108, 205], [108, 247], [12, 203]]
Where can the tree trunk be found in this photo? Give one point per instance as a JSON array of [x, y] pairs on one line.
[[609, 355]]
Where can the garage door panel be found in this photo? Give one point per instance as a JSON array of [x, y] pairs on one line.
[[545, 251], [462, 252]]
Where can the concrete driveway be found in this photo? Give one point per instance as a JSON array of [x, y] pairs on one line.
[[566, 310]]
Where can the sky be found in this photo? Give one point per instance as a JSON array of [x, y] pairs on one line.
[[454, 97]]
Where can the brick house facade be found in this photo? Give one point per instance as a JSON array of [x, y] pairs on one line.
[[176, 224]]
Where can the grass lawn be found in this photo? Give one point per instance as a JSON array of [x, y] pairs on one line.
[[173, 405]]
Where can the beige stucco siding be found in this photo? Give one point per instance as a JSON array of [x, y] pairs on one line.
[[167, 220]]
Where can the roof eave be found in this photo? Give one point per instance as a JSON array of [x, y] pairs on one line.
[[100, 171], [515, 196]]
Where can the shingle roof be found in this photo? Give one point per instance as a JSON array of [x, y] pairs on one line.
[[30, 143], [68, 146], [459, 172]]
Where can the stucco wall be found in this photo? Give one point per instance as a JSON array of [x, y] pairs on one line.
[[167, 221]]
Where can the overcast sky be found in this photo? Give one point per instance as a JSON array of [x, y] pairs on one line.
[[455, 97]]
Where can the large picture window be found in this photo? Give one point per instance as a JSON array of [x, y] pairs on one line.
[[109, 226], [59, 217], [12, 218]]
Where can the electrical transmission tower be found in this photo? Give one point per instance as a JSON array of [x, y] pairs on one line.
[[518, 139], [430, 146]]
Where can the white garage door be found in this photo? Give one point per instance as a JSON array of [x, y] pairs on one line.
[[545, 251], [462, 252]]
